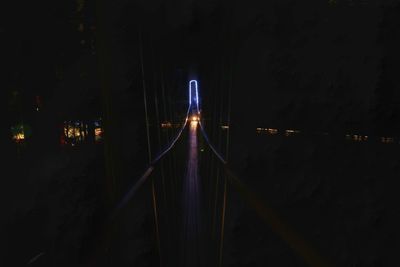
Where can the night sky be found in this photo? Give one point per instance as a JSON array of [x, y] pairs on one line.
[[327, 69]]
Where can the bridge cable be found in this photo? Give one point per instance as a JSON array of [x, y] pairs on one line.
[[297, 243], [150, 168], [161, 163], [153, 191], [106, 235], [157, 112], [213, 204], [167, 117], [227, 158]]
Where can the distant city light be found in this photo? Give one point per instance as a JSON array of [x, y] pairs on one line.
[[387, 140], [290, 132], [75, 132], [19, 137], [352, 137], [98, 131], [270, 131], [166, 125], [359, 138], [20, 132], [98, 134]]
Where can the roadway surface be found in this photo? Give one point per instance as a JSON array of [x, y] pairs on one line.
[[191, 244]]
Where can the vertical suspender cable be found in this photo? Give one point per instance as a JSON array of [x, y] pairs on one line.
[[221, 240], [221, 246], [104, 65], [225, 178], [167, 117], [219, 144], [159, 142], [162, 168], [144, 96], [173, 153], [159, 135], [229, 111], [216, 193], [226, 155], [148, 143]]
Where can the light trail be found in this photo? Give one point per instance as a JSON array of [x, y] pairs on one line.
[[191, 249], [191, 246]]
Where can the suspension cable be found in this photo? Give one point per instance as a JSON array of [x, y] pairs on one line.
[[106, 235], [150, 169], [153, 191], [267, 214]]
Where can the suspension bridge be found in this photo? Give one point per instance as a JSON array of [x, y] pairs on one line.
[[190, 209]]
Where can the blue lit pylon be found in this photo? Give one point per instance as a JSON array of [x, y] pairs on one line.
[[195, 101]]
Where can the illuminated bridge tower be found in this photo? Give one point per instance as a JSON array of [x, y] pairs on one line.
[[194, 98]]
